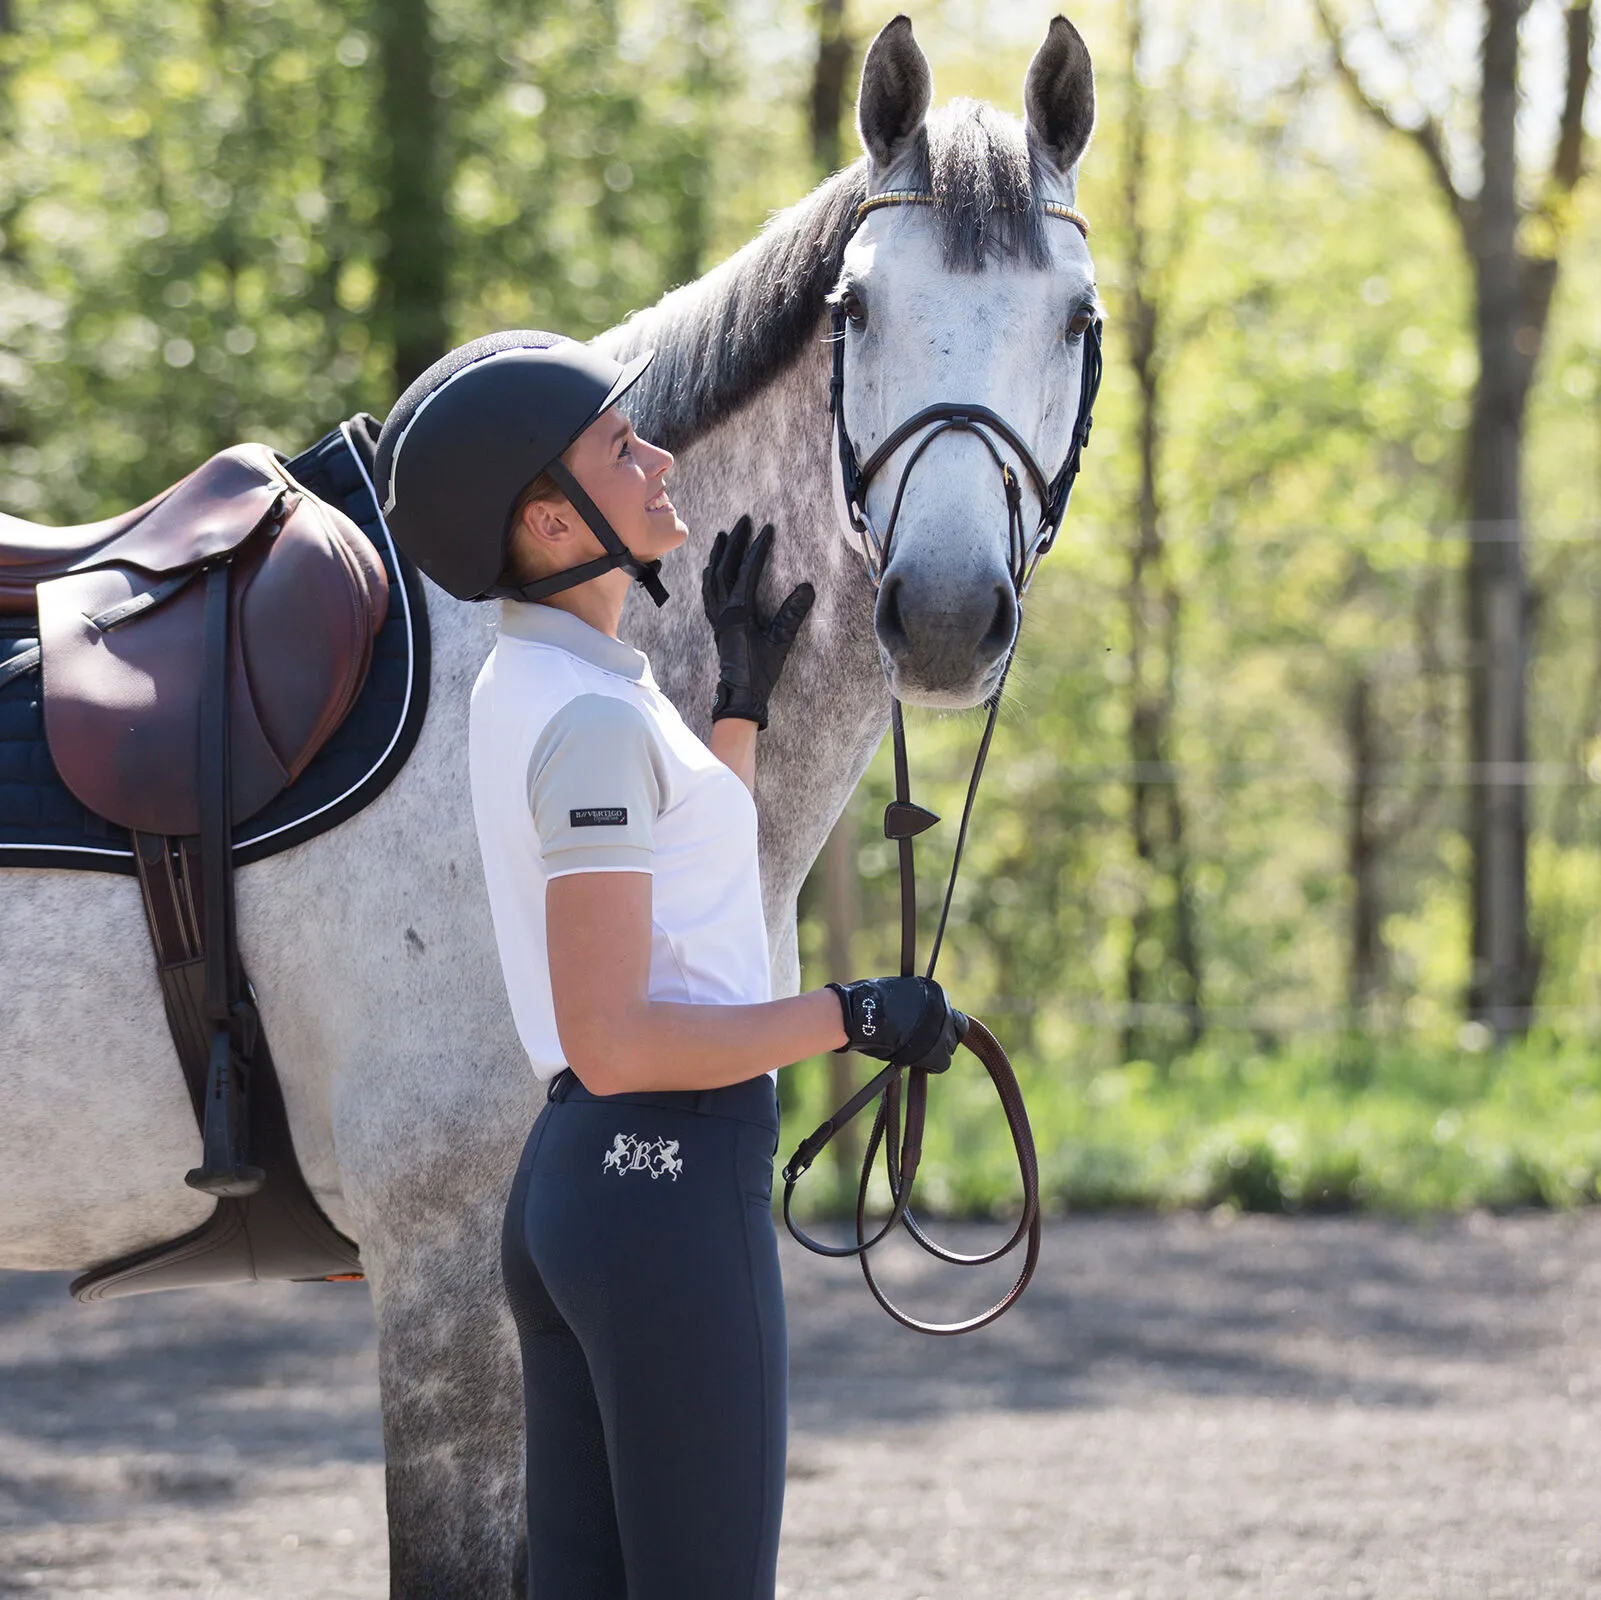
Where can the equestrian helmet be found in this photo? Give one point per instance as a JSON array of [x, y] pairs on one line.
[[472, 433]]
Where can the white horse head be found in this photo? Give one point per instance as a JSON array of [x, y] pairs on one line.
[[980, 297]]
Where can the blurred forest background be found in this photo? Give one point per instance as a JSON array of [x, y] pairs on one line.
[[1286, 887]]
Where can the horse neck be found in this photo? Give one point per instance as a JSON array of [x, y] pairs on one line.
[[772, 457]]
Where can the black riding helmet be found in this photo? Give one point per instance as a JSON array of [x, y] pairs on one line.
[[470, 435]]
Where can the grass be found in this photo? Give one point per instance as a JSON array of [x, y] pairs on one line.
[[1329, 1125]]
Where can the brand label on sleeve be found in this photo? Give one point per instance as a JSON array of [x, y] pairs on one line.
[[599, 817]]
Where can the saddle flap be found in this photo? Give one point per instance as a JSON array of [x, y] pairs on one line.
[[122, 707], [211, 512]]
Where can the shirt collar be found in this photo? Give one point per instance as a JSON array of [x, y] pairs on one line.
[[542, 624]]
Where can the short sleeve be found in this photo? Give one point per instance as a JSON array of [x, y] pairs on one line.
[[595, 788]]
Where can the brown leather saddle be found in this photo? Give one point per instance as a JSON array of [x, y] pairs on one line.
[[121, 612], [196, 653]]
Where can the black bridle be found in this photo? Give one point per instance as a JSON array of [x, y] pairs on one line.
[[902, 1136], [946, 416]]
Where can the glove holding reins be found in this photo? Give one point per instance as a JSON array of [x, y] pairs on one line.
[[904, 1020], [751, 649]]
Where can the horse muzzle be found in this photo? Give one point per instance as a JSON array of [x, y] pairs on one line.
[[940, 649]]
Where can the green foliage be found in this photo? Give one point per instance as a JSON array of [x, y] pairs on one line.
[[191, 193], [177, 278], [1423, 1130], [1316, 367]]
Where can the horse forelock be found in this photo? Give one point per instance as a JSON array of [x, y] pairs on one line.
[[976, 163], [728, 334]]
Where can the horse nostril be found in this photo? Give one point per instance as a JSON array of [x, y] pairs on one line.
[[891, 625], [1003, 625]]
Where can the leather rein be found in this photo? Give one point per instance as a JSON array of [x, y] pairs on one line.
[[900, 1130]]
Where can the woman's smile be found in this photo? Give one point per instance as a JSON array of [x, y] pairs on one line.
[[661, 503]]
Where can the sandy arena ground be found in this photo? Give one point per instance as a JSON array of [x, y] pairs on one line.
[[1182, 1409]]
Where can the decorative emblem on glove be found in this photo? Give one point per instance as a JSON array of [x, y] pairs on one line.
[[907, 1021]]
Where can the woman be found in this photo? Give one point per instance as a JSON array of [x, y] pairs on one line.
[[639, 1253]]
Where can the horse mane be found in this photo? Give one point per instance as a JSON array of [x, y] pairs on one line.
[[727, 335]]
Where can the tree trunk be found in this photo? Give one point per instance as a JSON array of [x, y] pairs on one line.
[[1362, 854], [830, 75], [415, 256], [1513, 290], [1502, 984], [1153, 604], [841, 917]]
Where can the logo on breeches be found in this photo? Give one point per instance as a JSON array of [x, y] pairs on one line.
[[658, 1157]]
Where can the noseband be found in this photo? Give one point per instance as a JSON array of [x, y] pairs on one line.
[[901, 1136], [945, 416]]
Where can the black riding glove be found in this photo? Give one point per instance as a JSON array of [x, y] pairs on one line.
[[751, 651], [905, 1020]]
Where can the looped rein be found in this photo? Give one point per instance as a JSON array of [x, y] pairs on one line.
[[903, 1148], [901, 1136], [900, 1132]]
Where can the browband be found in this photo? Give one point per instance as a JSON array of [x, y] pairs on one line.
[[920, 197]]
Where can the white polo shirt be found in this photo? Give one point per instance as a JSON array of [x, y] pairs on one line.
[[579, 763]]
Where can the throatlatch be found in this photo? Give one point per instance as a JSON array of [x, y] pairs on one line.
[[901, 1133]]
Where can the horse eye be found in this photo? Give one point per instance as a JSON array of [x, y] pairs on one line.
[[855, 311], [1080, 325]]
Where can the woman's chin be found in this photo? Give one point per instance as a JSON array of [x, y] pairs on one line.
[[667, 532]]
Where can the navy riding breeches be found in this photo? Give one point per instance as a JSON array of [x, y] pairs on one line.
[[642, 1268]]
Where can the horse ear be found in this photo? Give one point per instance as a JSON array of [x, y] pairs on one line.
[[1059, 97], [896, 89]]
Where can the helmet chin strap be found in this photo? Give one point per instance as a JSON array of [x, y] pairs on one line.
[[617, 554]]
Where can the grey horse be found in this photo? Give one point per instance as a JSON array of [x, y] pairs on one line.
[[407, 1093]]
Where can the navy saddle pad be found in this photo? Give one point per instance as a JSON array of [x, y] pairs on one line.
[[43, 825]]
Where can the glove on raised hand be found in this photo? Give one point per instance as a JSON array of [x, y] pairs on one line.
[[905, 1020], [750, 650]]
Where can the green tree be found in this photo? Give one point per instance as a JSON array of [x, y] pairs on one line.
[[831, 71], [1512, 227], [1164, 964], [415, 254]]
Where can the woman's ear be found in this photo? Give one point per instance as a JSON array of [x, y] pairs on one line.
[[542, 520], [538, 531]]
